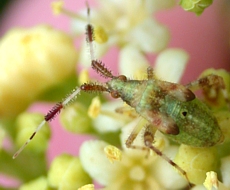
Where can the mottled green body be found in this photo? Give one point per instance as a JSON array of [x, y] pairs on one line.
[[168, 107], [198, 128]]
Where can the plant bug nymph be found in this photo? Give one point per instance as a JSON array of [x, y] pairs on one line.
[[172, 108]]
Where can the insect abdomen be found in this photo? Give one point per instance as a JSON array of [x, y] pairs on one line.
[[197, 125]]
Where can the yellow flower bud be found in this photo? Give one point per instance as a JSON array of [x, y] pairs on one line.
[[66, 172], [26, 123], [223, 118], [75, 118], [37, 184], [31, 61], [196, 162]]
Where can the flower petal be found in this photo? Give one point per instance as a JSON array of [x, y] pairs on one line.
[[225, 168], [170, 64], [109, 120], [149, 36], [132, 62], [95, 162]]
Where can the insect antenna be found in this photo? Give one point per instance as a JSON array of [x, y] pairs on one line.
[[90, 87], [49, 116], [97, 65], [100, 68]]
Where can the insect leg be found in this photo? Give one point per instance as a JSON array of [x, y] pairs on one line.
[[134, 133], [148, 141], [210, 85], [127, 111]]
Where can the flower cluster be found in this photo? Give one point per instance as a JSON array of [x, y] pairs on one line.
[[136, 32]]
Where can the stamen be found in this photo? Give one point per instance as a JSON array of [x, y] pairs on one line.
[[113, 153], [94, 108], [83, 76], [100, 35], [58, 9]]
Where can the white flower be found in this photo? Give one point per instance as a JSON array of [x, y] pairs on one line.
[[170, 64], [134, 171], [126, 22], [108, 120]]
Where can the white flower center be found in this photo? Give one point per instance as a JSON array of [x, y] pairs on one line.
[[137, 173]]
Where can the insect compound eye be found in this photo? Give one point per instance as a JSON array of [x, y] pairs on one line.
[[122, 78], [115, 94], [184, 113]]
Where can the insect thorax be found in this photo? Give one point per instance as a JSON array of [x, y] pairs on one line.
[[130, 91]]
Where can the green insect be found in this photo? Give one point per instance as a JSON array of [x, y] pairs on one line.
[[172, 108]]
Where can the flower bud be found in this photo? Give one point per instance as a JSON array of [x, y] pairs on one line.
[[196, 162], [26, 124], [39, 183], [75, 118], [196, 6], [36, 58], [223, 118], [66, 172]]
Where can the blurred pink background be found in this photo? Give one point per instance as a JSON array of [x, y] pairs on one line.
[[204, 38]]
